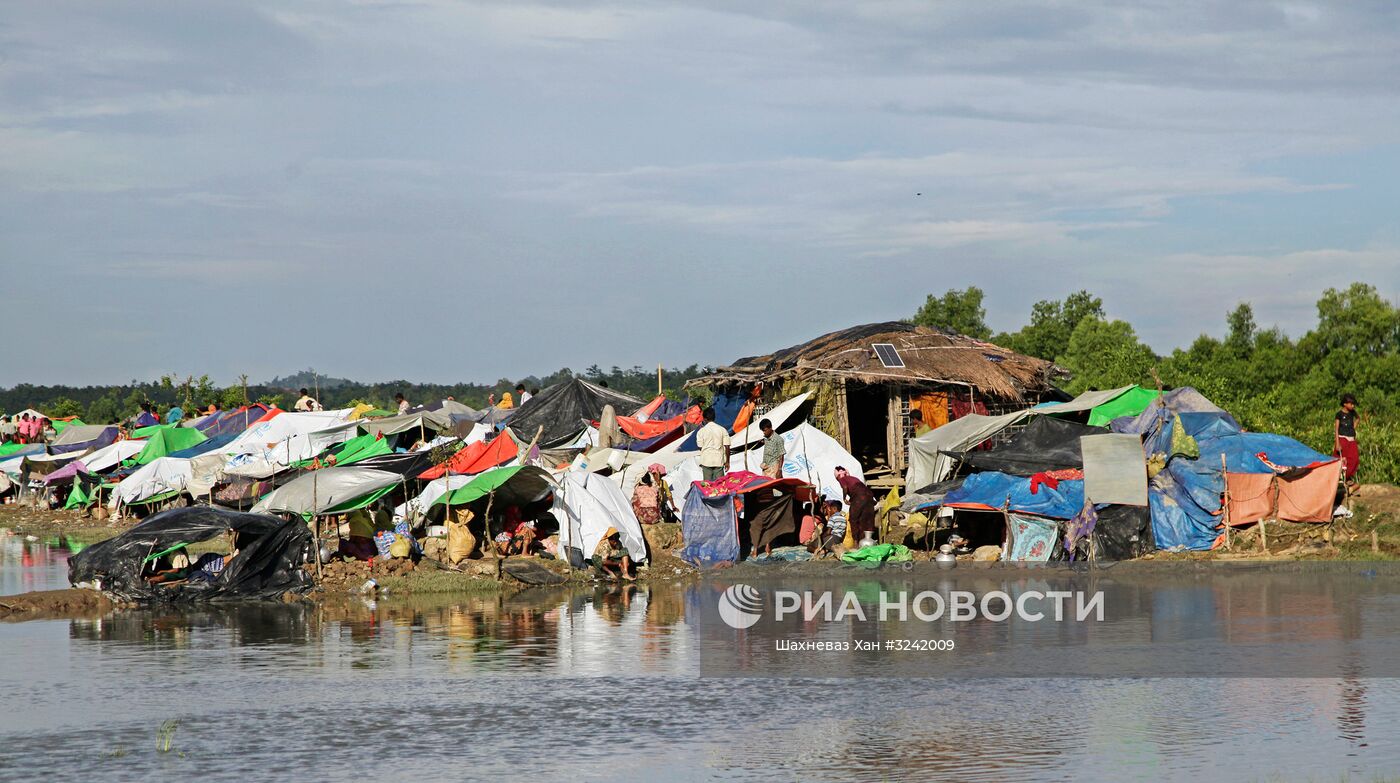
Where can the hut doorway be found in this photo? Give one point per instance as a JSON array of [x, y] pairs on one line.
[[868, 412]]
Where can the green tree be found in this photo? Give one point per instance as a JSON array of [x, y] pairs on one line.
[[960, 311], [1106, 354], [63, 407], [1240, 337], [106, 409], [1052, 323]]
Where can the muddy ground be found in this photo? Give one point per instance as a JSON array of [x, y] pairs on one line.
[[1371, 534]]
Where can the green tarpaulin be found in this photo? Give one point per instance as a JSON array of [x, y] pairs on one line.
[[77, 498], [6, 449], [517, 486], [162, 442], [146, 432], [1129, 403], [60, 426], [354, 450], [876, 554]]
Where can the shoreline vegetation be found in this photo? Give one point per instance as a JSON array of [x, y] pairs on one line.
[[1371, 535]]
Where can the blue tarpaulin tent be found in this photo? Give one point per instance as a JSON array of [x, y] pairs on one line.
[[996, 490]]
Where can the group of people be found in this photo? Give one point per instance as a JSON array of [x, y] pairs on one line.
[[509, 401], [26, 428]]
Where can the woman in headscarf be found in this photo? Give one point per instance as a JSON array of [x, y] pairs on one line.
[[506, 402], [646, 500]]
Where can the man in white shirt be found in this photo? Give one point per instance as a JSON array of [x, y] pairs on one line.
[[403, 403], [306, 403], [521, 395], [713, 441]]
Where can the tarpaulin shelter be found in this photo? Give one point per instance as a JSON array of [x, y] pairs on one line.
[[66, 473], [1185, 495], [209, 446], [408, 463], [232, 422], [565, 410], [109, 457], [477, 457], [993, 491], [329, 491], [929, 460], [810, 456], [865, 379], [658, 423], [277, 427], [782, 416], [354, 450], [84, 437], [713, 510], [1045, 444], [164, 442], [268, 563], [1098, 408], [167, 477], [586, 507], [519, 485]]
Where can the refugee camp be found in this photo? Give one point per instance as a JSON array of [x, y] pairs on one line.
[[881, 443], [699, 391]]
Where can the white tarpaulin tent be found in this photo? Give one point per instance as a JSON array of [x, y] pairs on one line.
[[812, 456], [265, 436], [161, 475], [109, 456], [928, 466], [325, 489], [589, 504]]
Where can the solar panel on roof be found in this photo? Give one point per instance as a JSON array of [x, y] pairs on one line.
[[889, 357]]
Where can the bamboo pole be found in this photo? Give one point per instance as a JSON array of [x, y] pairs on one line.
[[316, 521], [1225, 510], [658, 379]]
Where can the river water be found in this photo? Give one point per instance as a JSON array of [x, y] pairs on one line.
[[602, 684]]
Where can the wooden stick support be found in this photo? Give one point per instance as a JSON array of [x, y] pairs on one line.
[[1375, 543]]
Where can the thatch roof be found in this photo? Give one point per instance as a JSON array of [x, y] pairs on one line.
[[930, 356]]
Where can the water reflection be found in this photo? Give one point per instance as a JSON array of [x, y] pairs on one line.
[[32, 563], [601, 683]]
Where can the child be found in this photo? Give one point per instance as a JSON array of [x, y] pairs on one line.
[[1345, 433], [834, 532]]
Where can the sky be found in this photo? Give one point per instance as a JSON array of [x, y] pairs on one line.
[[461, 191]]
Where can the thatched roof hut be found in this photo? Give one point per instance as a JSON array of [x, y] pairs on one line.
[[864, 391]]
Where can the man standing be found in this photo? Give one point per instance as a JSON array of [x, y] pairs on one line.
[[306, 403], [1345, 434], [861, 501], [175, 414], [713, 441], [9, 431], [403, 403], [521, 394], [774, 450]]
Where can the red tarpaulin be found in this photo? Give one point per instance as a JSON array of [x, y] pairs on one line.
[[476, 458]]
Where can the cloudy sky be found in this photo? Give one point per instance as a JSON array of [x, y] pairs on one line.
[[441, 190]]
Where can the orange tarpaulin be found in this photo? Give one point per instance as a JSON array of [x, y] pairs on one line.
[[642, 430], [1311, 497], [477, 457], [1308, 498], [1251, 497], [933, 406]]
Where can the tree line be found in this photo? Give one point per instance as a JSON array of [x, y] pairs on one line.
[[113, 403], [1269, 381]]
